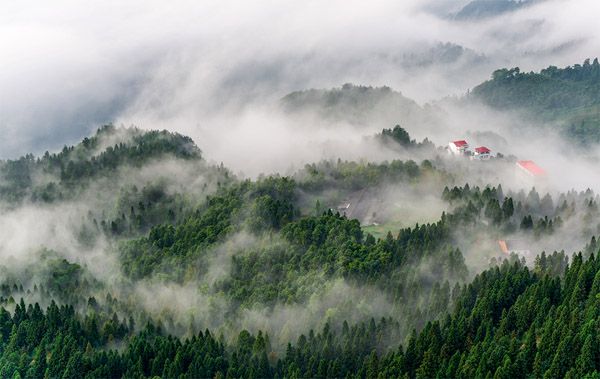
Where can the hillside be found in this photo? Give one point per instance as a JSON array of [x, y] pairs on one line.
[[212, 275], [481, 9], [358, 105], [510, 322], [189, 190], [61, 174], [565, 98], [569, 97]]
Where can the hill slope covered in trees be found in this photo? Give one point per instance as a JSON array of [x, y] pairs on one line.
[[352, 103], [216, 276], [569, 97]]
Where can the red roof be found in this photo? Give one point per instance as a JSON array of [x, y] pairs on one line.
[[503, 246], [482, 150], [460, 143], [531, 167]]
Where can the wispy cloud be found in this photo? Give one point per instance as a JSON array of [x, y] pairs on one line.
[[195, 67]]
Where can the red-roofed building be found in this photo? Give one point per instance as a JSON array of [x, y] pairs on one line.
[[459, 147], [481, 153], [531, 169], [517, 247]]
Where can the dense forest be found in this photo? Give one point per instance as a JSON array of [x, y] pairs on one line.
[[509, 322], [563, 99], [329, 298], [351, 103], [567, 96], [270, 189]]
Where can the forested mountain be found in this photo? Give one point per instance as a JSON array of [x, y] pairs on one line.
[[562, 98], [509, 322], [60, 175], [481, 9], [353, 104], [333, 189], [569, 97], [225, 251]]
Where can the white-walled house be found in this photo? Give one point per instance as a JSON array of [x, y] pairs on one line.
[[481, 153], [459, 147]]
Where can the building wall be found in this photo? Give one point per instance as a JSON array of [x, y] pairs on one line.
[[481, 157], [456, 150]]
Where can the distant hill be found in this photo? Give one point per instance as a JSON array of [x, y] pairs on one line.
[[54, 176], [568, 96], [353, 104], [479, 9], [442, 54]]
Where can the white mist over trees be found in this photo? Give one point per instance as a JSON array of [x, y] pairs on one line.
[[195, 68], [288, 203]]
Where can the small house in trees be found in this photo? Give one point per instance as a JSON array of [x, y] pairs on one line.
[[530, 174], [518, 247], [530, 169], [481, 153], [460, 147]]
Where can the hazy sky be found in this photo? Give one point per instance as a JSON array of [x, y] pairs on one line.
[[68, 66]]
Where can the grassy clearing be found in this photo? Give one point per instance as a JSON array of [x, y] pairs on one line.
[[380, 231]]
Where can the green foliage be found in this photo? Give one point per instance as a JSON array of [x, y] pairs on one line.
[[530, 214], [65, 276], [401, 137], [58, 343], [568, 96], [351, 103], [359, 175], [142, 147], [398, 135], [138, 210], [508, 322], [265, 205], [61, 175]]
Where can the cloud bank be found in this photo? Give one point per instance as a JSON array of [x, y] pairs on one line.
[[215, 69]]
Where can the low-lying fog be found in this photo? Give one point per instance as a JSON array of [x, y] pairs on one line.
[[215, 70], [218, 70]]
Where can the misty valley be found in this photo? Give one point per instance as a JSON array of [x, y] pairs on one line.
[[334, 189], [144, 259]]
